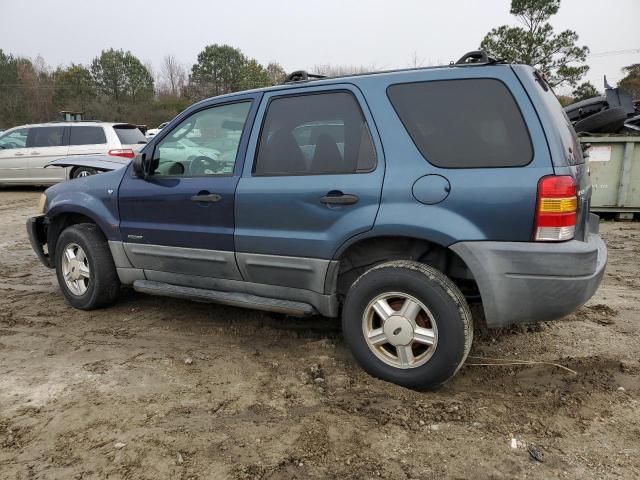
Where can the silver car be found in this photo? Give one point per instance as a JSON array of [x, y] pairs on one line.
[[25, 150]]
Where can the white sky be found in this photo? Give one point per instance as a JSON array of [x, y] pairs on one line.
[[301, 33]]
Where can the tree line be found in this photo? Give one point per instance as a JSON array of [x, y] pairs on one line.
[[118, 86]]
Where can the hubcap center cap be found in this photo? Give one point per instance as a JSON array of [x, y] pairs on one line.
[[398, 330], [74, 269]]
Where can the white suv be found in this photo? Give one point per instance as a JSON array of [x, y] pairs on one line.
[[25, 150]]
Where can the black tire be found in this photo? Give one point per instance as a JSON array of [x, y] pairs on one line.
[[83, 172], [435, 291], [103, 285], [584, 108], [606, 121]]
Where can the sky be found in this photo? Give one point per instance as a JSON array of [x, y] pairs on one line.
[[299, 34]]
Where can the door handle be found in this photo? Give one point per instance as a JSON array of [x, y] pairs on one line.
[[206, 197], [18, 154], [34, 153], [336, 197]]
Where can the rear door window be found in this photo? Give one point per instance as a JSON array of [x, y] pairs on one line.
[[315, 134], [87, 136], [129, 134], [469, 123], [40, 137]]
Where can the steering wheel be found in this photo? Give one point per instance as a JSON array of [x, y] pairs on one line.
[[205, 166]]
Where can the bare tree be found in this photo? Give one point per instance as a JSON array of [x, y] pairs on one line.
[[173, 75], [341, 70], [415, 61]]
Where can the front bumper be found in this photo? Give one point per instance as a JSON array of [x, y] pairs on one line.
[[36, 229], [523, 282]]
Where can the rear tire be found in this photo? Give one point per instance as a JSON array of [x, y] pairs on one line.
[[428, 330], [83, 172], [606, 121], [84, 267]]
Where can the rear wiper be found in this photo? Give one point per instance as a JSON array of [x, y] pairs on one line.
[[143, 142]]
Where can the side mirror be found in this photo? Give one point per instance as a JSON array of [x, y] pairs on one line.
[[140, 166]]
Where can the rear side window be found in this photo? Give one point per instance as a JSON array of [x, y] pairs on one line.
[[129, 134], [87, 136], [45, 137], [315, 134], [561, 123], [470, 123]]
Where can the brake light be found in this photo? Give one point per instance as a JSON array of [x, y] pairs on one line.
[[122, 152], [556, 211]]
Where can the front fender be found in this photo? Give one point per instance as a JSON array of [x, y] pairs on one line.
[[95, 197]]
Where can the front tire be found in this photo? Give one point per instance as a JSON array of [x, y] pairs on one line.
[[84, 267], [407, 323]]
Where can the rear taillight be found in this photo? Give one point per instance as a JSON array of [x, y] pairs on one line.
[[122, 152], [556, 210]]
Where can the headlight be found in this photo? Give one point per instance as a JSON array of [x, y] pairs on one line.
[[42, 203]]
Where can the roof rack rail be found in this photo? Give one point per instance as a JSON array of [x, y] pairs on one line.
[[302, 76], [477, 56]]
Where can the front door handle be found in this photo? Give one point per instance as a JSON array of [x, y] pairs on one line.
[[336, 197], [206, 197], [18, 154], [34, 153]]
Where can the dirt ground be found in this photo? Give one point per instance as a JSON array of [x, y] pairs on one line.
[[157, 388]]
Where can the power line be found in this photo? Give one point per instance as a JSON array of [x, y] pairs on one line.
[[614, 52]]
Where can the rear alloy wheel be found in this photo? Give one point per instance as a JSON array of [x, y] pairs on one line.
[[400, 330], [407, 323], [83, 172]]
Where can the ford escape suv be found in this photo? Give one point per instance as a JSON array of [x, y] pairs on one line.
[[393, 199]]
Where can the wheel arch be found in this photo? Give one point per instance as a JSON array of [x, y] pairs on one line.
[[57, 223], [363, 253]]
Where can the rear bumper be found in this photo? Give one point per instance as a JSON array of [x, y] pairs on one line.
[[38, 238], [523, 282]]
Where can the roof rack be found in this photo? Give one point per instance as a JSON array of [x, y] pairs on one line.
[[473, 58], [302, 76], [477, 56]]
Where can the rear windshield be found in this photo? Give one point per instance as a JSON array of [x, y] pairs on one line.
[[129, 134], [469, 123]]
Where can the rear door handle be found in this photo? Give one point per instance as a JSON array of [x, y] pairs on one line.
[[206, 197], [18, 154], [339, 198], [34, 153]]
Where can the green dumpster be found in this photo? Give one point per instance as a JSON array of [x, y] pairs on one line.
[[614, 166]]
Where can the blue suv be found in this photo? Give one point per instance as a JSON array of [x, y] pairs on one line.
[[393, 199]]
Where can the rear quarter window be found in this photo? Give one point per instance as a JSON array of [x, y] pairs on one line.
[[129, 134], [468, 123], [87, 136]]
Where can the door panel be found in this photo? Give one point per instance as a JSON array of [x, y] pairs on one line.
[[311, 211], [181, 218], [45, 144], [13, 157]]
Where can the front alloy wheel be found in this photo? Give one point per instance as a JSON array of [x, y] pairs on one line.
[[75, 269]]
